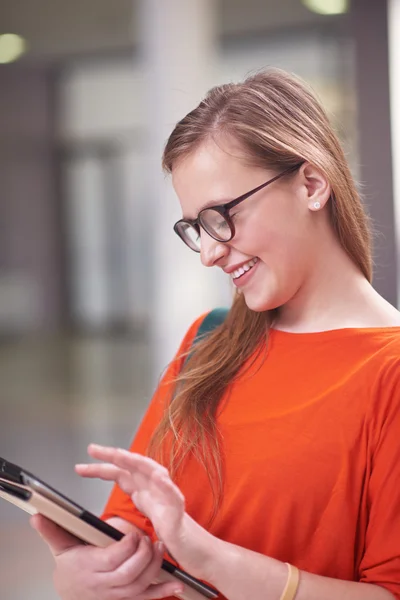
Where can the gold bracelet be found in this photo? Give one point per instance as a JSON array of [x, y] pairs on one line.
[[292, 583]]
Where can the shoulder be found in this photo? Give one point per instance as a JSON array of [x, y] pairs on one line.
[[384, 363], [385, 397], [388, 380], [389, 355], [186, 343], [192, 331], [203, 325]]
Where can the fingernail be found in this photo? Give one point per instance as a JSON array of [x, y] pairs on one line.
[[131, 539], [178, 590], [160, 547]]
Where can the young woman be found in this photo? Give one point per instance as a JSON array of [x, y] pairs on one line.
[[280, 430]]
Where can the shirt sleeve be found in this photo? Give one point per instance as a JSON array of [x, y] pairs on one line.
[[380, 564], [120, 504]]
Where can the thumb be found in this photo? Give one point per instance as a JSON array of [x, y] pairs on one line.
[[57, 538]]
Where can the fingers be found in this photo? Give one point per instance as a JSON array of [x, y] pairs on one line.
[[127, 568], [162, 590], [108, 472], [131, 471], [141, 571], [115, 555], [134, 569], [127, 460], [56, 537]]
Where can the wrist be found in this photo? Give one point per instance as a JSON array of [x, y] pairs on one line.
[[241, 574], [222, 560], [209, 550]]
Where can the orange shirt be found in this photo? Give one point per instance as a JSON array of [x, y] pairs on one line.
[[311, 438]]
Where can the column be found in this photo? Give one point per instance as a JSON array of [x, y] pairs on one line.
[[178, 42], [370, 33], [394, 73], [32, 270]]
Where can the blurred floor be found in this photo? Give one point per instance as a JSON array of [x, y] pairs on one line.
[[57, 395]]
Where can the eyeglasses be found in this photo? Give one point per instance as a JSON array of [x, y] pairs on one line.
[[216, 220]]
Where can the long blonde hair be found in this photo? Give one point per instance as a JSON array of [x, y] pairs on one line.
[[278, 121]]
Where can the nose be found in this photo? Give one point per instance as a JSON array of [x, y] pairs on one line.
[[211, 251]]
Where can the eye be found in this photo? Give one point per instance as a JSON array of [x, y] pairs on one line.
[[221, 225]]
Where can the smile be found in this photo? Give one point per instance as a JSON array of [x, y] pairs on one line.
[[244, 268]]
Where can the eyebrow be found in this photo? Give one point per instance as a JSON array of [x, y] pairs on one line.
[[210, 204]]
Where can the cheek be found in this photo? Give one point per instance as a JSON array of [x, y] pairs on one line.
[[271, 242], [278, 234]]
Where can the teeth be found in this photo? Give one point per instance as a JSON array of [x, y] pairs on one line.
[[244, 268]]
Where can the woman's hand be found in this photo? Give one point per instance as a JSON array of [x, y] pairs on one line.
[[155, 495], [124, 570]]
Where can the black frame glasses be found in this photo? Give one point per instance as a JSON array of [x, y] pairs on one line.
[[182, 226]]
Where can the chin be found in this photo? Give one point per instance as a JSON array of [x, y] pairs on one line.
[[259, 304]]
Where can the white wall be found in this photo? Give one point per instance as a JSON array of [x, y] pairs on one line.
[[105, 98], [101, 98]]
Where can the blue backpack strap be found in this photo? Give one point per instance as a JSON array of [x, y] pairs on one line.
[[212, 320]]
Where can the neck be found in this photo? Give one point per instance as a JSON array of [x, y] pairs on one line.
[[335, 295]]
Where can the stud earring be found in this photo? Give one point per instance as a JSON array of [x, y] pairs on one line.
[[317, 205]]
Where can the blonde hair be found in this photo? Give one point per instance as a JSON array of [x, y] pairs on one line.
[[278, 121]]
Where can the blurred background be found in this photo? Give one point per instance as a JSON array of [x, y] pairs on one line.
[[96, 291]]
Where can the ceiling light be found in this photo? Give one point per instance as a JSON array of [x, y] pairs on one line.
[[327, 7], [12, 46]]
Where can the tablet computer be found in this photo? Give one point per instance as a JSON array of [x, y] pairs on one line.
[[33, 495]]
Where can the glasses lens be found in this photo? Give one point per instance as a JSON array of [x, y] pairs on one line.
[[189, 234], [216, 225]]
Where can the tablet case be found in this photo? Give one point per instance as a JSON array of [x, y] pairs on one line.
[[32, 495]]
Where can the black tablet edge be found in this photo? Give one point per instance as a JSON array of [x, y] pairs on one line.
[[15, 490], [11, 471]]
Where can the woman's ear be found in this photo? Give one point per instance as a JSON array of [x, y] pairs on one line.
[[317, 187]]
